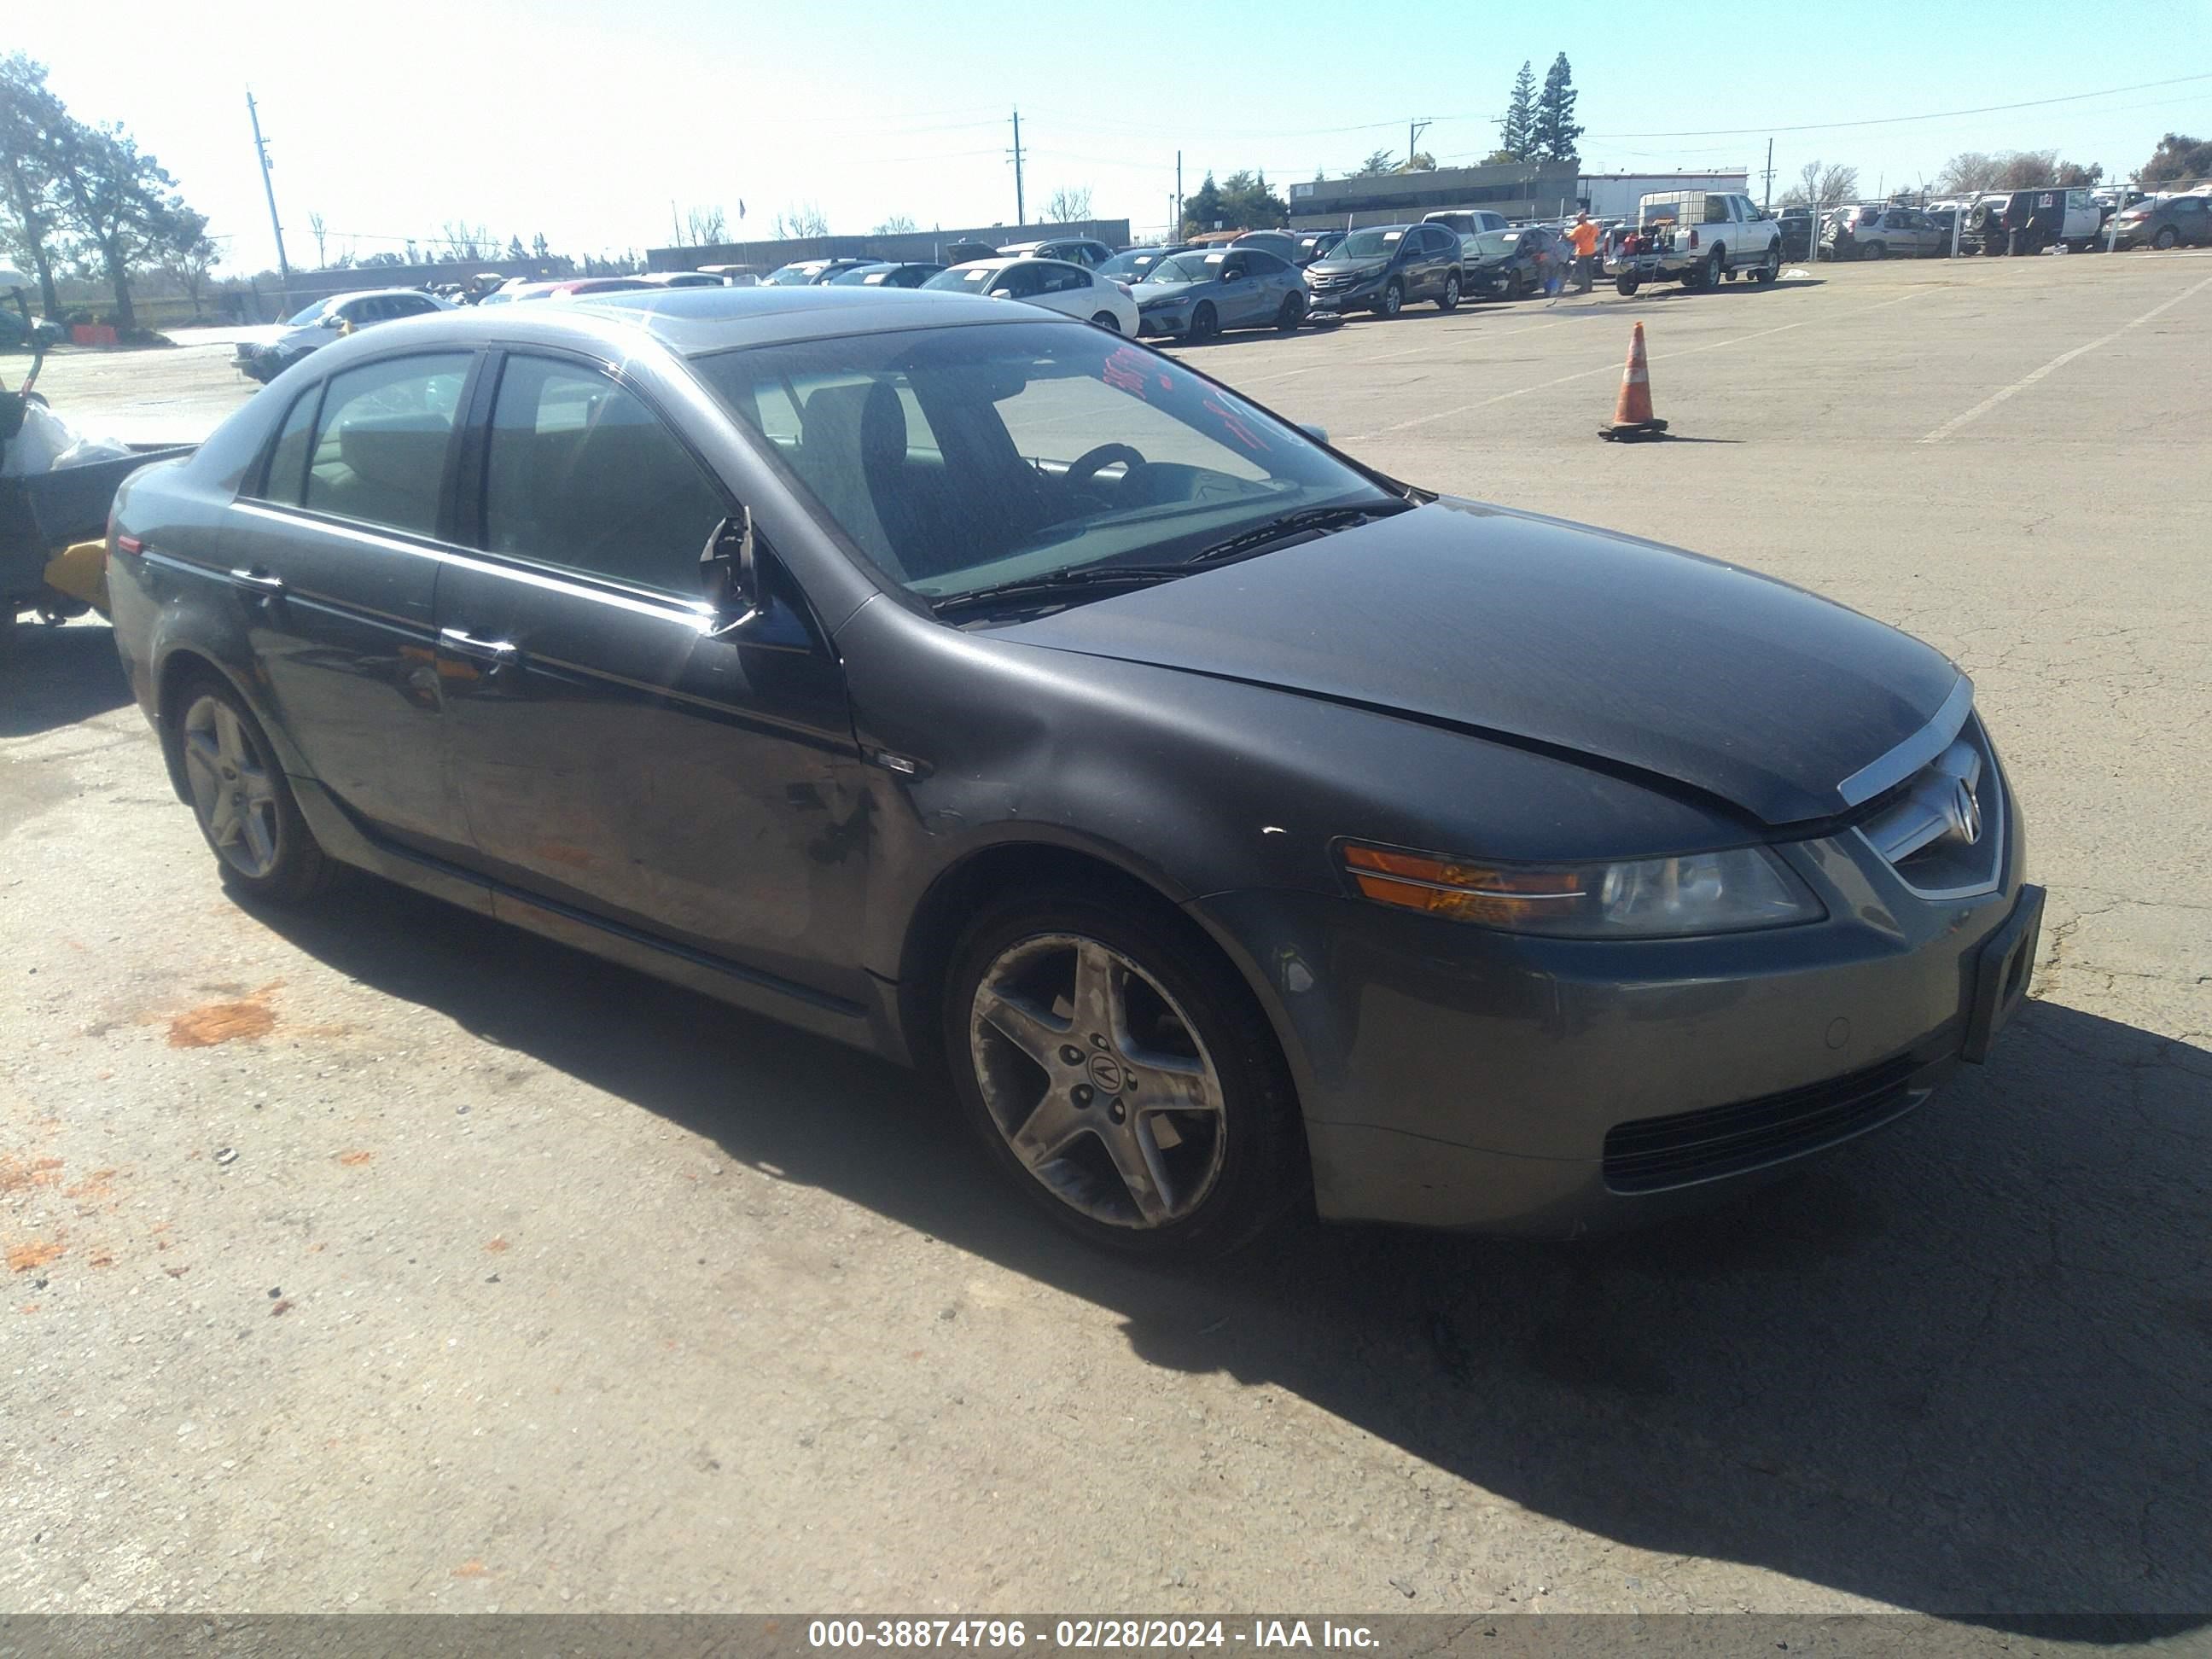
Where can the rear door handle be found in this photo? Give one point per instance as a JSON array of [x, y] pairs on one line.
[[266, 588], [462, 643]]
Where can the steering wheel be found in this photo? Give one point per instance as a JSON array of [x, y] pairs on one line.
[[1086, 466]]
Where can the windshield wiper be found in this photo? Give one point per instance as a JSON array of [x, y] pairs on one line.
[[1316, 519], [1058, 584]]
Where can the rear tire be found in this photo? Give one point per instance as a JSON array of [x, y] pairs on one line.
[[1449, 302], [240, 799], [1150, 1013], [1625, 287], [1107, 320], [1873, 251], [2166, 238]]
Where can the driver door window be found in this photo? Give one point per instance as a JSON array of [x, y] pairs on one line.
[[1020, 282]]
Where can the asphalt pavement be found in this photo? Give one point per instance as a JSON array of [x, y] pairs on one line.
[[381, 1258]]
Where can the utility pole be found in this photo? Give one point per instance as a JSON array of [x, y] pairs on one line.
[[1414, 132], [1020, 216], [675, 224], [1174, 219], [1768, 204], [261, 154]]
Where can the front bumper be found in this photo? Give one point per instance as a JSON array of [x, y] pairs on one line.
[[1456, 1077], [1152, 324], [1357, 297]]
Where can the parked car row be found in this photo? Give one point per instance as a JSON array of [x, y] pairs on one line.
[[2019, 221]]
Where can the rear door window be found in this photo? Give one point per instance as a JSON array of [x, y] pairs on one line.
[[379, 450], [579, 473], [288, 460]]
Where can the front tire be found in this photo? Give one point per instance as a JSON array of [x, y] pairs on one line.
[[1205, 322], [1449, 302], [1119, 1073], [241, 801], [1625, 287], [2166, 238], [1292, 313], [1392, 300]]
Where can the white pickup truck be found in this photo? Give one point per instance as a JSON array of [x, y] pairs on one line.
[[1698, 238]]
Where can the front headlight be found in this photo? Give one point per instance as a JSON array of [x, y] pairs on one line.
[[1727, 892]]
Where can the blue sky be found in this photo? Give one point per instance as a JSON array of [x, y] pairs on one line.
[[584, 120]]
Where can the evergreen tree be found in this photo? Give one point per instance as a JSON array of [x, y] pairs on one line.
[[1554, 139], [1518, 130]]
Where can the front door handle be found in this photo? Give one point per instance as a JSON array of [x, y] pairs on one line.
[[462, 643]]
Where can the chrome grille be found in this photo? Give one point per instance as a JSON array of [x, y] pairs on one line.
[[1943, 828]]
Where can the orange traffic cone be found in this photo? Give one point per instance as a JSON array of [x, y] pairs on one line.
[[1631, 415]]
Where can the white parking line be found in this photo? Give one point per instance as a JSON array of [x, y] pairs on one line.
[[2059, 361], [1607, 368]]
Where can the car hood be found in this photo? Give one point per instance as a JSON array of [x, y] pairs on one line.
[[1142, 291], [1346, 267], [1553, 636]]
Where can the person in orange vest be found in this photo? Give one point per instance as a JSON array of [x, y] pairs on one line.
[[1582, 235]]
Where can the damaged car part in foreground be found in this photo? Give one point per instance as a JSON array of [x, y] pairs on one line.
[[1237, 828]]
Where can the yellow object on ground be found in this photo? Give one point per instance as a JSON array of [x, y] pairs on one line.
[[80, 572]]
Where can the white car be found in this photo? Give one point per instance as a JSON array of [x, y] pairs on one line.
[[1071, 289], [1076, 249], [322, 321]]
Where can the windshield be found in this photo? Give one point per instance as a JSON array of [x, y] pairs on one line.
[[1133, 261], [309, 315], [1368, 244], [793, 275], [1491, 242], [958, 459], [854, 276], [1188, 268]]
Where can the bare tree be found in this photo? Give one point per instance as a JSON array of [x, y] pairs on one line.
[[468, 243], [1822, 186], [897, 225], [321, 233], [1067, 204], [800, 220], [708, 227], [1970, 173]]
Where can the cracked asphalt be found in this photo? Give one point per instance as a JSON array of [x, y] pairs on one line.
[[381, 1259]]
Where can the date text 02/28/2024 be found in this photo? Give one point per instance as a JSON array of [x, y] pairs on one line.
[[1170, 1635]]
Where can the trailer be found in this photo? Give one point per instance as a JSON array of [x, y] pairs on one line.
[[53, 525]]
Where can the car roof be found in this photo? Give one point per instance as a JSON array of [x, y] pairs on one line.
[[1005, 259], [687, 322]]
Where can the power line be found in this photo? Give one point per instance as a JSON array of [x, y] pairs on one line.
[[1896, 120]]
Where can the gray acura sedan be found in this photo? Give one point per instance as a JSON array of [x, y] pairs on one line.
[[1239, 829]]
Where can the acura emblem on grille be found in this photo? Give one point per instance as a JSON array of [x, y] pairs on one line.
[[1962, 814]]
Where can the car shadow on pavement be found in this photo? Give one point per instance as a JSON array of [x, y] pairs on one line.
[[56, 677], [1957, 1369]]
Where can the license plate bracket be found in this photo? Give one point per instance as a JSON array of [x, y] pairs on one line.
[[2001, 975]]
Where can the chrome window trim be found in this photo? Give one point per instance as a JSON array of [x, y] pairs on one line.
[[1915, 752]]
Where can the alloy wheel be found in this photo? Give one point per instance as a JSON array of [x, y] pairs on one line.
[[234, 786], [1097, 1080]]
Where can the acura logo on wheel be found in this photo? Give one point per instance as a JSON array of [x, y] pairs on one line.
[[1962, 814], [1106, 1072]]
